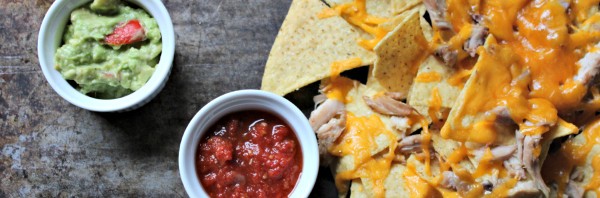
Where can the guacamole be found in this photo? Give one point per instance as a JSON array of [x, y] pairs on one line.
[[97, 55]]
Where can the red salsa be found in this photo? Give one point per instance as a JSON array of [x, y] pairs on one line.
[[249, 154]]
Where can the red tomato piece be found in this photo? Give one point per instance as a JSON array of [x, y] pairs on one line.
[[126, 33]]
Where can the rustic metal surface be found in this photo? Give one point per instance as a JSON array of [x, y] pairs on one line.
[[50, 148]]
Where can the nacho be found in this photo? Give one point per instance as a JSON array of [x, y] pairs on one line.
[[306, 46], [378, 8], [421, 92], [500, 82], [397, 54]]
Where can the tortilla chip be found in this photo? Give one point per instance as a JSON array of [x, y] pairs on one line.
[[358, 190], [397, 53], [400, 6], [306, 46], [586, 168], [358, 107], [393, 184], [562, 128], [420, 92], [427, 29], [378, 8], [396, 20]]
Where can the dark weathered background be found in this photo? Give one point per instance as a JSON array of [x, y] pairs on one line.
[[50, 148]]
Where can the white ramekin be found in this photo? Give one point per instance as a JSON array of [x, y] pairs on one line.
[[50, 38], [240, 101]]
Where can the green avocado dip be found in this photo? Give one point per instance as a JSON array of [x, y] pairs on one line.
[[110, 49]]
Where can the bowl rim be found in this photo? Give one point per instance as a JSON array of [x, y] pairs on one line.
[[206, 117], [69, 93]]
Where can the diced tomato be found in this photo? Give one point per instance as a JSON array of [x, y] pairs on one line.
[[249, 154], [126, 33]]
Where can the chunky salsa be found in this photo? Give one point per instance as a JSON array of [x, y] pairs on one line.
[[249, 154]]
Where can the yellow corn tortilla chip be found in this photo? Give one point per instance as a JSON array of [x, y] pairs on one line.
[[400, 6], [427, 29], [393, 185], [476, 86], [306, 46], [397, 53], [396, 20], [378, 8], [357, 106], [420, 93], [562, 128], [586, 168]]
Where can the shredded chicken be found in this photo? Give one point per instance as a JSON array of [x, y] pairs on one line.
[[410, 144], [524, 189], [589, 66], [565, 4], [325, 112], [574, 190], [502, 115], [396, 95], [448, 55], [526, 146], [453, 182], [437, 11], [328, 121], [387, 106], [478, 34], [514, 167], [500, 153]]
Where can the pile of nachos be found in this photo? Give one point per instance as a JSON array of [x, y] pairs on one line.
[[462, 98]]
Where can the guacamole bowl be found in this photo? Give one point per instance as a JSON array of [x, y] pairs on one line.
[[50, 38]]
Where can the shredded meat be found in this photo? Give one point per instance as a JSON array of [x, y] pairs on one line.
[[410, 144], [574, 190], [524, 189], [448, 55], [437, 11], [565, 4], [514, 167], [396, 95], [500, 153], [589, 66], [387, 106], [478, 34], [502, 115], [526, 146], [328, 121], [453, 182], [325, 112]]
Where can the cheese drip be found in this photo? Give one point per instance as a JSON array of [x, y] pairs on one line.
[[357, 141], [355, 13], [572, 154]]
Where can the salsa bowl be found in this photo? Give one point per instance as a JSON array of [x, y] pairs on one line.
[[248, 100]]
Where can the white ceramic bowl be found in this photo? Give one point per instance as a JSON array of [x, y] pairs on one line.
[[240, 101], [50, 38]]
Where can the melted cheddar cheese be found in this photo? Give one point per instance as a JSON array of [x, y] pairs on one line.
[[526, 69], [358, 140], [356, 14], [339, 87], [573, 154], [435, 104], [426, 77]]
